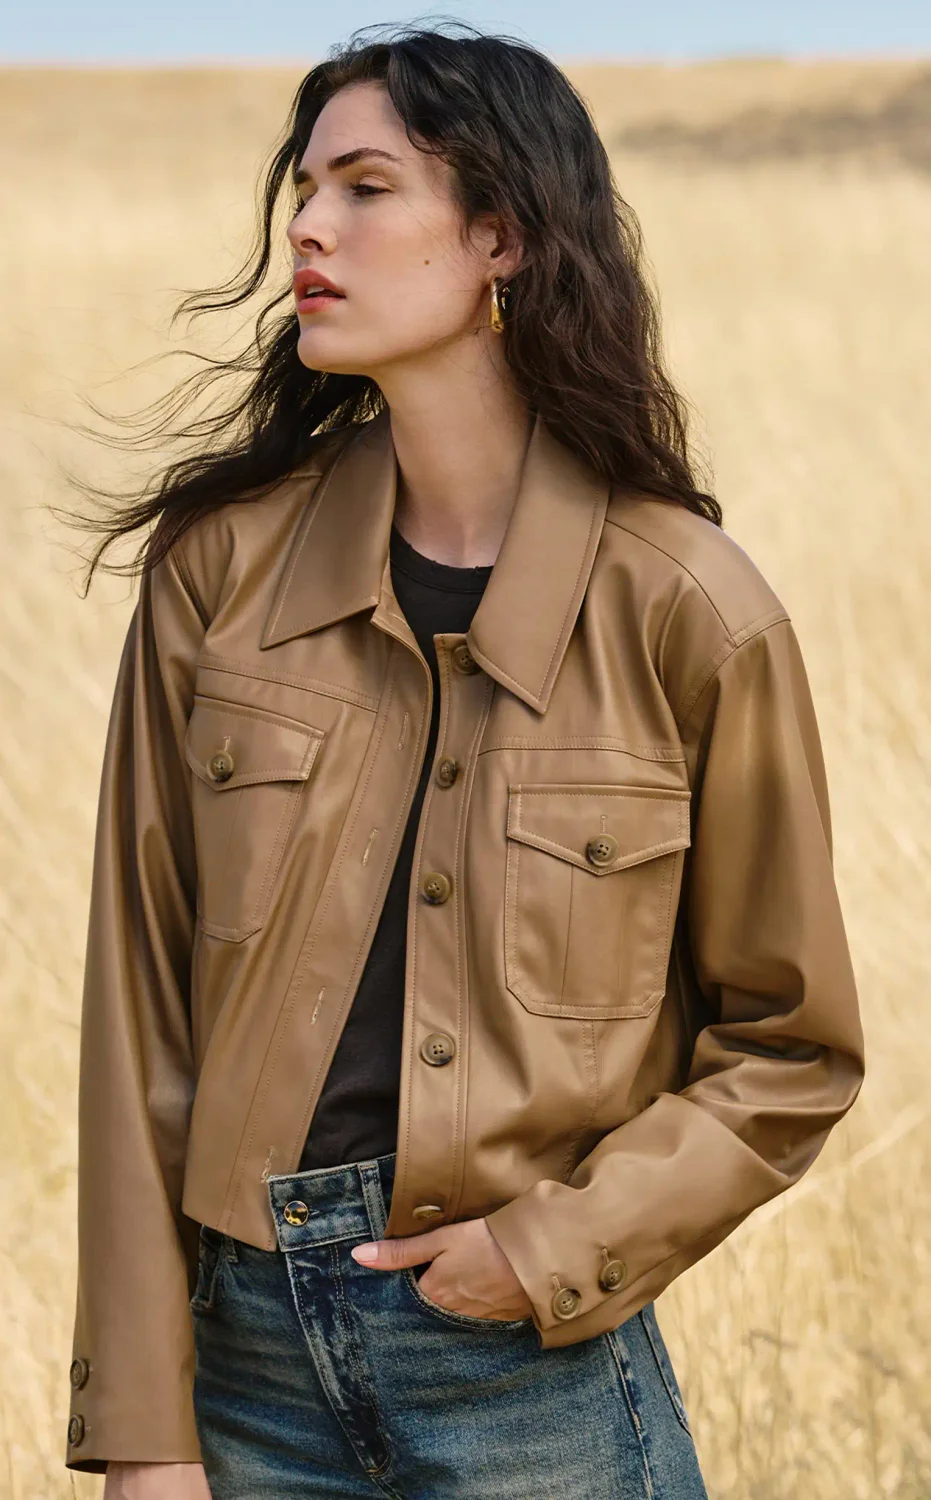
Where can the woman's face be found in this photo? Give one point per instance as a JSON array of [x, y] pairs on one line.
[[383, 227]]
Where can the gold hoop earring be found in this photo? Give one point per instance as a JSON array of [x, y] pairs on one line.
[[496, 319]]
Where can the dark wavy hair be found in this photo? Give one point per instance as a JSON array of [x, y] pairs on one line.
[[582, 337]]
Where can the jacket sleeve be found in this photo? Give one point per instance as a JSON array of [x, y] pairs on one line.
[[132, 1366], [780, 1058]]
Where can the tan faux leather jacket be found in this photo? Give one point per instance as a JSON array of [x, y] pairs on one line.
[[630, 1011]]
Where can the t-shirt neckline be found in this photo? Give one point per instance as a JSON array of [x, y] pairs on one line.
[[435, 574]]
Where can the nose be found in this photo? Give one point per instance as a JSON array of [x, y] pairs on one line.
[[308, 230]]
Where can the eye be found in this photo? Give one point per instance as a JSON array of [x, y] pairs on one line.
[[358, 189]]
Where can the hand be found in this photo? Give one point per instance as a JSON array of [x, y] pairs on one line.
[[470, 1272], [155, 1482]]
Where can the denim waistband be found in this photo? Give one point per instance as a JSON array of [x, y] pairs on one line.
[[331, 1203]]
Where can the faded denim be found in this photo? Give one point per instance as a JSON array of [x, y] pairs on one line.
[[317, 1376]]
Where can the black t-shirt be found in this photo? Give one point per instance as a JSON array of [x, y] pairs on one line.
[[356, 1116]]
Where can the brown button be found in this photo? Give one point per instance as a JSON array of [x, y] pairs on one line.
[[75, 1430], [447, 771], [602, 850], [296, 1212], [566, 1302], [79, 1372], [221, 766], [437, 1048], [463, 659], [611, 1275], [436, 888], [426, 1211]]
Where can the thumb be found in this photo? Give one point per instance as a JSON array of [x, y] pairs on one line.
[[392, 1255]]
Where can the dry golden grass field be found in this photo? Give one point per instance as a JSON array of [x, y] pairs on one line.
[[787, 216]]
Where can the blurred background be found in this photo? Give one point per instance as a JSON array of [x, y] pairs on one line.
[[779, 159]]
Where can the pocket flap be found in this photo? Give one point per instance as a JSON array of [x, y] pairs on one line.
[[231, 744], [567, 819]]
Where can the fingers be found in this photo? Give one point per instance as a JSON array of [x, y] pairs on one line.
[[392, 1255]]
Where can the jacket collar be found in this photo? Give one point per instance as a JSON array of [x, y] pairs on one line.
[[339, 560]]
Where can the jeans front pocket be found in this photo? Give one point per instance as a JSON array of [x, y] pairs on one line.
[[212, 1252], [647, 1316], [379, 1218], [458, 1319]]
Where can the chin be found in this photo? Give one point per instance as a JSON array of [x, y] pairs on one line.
[[323, 354]]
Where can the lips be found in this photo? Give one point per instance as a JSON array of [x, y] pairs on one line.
[[313, 290]]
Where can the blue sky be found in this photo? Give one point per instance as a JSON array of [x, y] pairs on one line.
[[85, 31]]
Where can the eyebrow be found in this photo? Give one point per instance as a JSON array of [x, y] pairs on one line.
[[347, 159]]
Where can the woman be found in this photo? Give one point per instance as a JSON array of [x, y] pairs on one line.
[[465, 959]]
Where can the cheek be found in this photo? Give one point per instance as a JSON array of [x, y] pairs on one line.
[[414, 253], [411, 287], [423, 289]]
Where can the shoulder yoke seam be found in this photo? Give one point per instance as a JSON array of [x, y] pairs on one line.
[[649, 542], [724, 653], [182, 566]]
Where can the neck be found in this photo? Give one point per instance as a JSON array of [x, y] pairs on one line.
[[460, 432]]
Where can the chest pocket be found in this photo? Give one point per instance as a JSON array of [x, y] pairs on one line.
[[249, 767], [593, 878]]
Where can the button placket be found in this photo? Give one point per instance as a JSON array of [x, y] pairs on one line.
[[429, 1182]]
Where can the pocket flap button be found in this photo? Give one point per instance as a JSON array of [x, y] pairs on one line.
[[221, 766], [566, 1302], [611, 1275], [437, 1048], [427, 1211], [602, 850], [296, 1212], [80, 1370]]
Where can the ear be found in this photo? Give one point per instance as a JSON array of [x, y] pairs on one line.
[[501, 244]]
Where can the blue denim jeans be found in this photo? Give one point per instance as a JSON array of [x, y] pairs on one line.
[[318, 1376]]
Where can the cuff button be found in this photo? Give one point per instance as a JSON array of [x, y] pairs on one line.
[[566, 1302], [75, 1430], [79, 1372], [611, 1275]]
